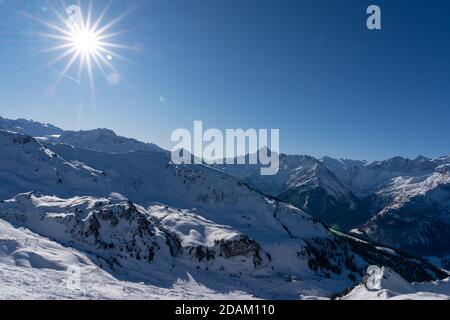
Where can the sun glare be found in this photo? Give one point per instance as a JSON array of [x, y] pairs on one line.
[[85, 42], [80, 38]]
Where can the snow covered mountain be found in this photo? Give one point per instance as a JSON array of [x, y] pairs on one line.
[[306, 183], [418, 219], [30, 127], [25, 164], [122, 208], [98, 139], [370, 178], [400, 202], [409, 200], [104, 140]]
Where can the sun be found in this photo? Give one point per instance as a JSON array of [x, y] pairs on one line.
[[85, 42], [81, 39]]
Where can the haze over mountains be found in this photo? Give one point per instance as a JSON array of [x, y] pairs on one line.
[[123, 207]]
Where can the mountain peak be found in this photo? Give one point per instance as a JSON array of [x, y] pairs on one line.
[[422, 158]]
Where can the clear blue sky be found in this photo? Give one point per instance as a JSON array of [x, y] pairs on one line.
[[309, 68]]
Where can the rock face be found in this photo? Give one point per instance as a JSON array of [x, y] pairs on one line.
[[192, 236]]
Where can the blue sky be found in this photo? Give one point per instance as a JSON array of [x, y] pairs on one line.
[[310, 68]]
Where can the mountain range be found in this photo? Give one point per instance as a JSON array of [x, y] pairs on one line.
[[400, 202], [122, 208]]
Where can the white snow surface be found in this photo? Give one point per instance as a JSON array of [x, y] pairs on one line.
[[131, 244], [36, 268], [388, 285]]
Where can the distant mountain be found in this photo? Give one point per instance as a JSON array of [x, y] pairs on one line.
[[103, 140], [30, 127], [369, 178], [98, 139], [306, 183], [410, 201], [400, 202], [418, 217]]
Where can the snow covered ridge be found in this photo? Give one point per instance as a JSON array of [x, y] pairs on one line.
[[25, 164], [30, 127], [98, 139], [121, 231], [101, 140]]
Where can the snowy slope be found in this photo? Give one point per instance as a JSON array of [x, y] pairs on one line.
[[26, 165], [385, 284], [34, 267]]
